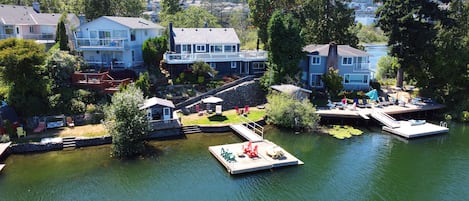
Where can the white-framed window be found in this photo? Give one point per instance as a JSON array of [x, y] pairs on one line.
[[315, 80], [185, 48], [9, 29], [213, 65], [229, 48], [200, 48], [258, 65], [356, 79], [31, 29], [315, 60], [234, 64], [347, 60], [216, 48]]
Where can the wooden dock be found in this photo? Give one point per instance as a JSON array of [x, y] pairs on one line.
[[243, 163], [407, 130], [3, 148], [248, 134]]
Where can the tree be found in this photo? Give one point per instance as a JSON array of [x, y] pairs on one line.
[[170, 7], [153, 50], [190, 18], [126, 123], [61, 34], [286, 48], [202, 70], [387, 68], [97, 8], [260, 13], [410, 27], [143, 83], [285, 111], [332, 81], [21, 69]]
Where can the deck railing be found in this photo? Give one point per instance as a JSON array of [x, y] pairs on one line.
[[101, 43], [361, 67], [178, 57], [255, 127]]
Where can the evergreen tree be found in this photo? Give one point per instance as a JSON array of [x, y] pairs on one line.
[[61, 35], [153, 50], [170, 7]]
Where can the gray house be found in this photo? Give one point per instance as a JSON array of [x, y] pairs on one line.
[[219, 47], [158, 109], [353, 65]]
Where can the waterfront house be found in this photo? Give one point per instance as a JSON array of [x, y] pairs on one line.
[[158, 109], [24, 22], [115, 42], [219, 47], [353, 65]]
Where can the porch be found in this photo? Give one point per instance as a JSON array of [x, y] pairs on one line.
[[178, 58]]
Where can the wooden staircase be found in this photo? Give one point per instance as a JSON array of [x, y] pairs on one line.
[[69, 142], [190, 129]]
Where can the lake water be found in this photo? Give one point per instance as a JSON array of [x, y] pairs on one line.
[[376, 52], [374, 166]]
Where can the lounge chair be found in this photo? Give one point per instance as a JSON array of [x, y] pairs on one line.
[[246, 109], [366, 104], [383, 103], [386, 99], [20, 132], [40, 127]]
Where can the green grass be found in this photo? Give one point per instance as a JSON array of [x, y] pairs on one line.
[[228, 117], [92, 130]]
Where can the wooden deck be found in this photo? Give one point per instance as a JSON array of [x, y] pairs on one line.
[[412, 131], [245, 164], [247, 133]]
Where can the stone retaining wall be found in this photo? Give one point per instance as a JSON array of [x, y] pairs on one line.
[[86, 142], [34, 147]]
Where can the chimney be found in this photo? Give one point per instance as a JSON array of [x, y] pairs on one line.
[[37, 7], [82, 18], [172, 45], [332, 56]]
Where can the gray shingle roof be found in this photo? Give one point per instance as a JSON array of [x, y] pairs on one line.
[[24, 15], [157, 101], [134, 22], [342, 50], [205, 36]]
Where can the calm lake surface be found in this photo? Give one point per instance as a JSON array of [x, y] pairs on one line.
[[374, 166], [376, 52]]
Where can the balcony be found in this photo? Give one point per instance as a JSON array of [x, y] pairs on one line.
[[361, 67], [43, 36], [101, 44], [179, 58]]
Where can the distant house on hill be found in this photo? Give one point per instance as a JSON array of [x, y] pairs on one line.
[[26, 22], [115, 42], [353, 65], [219, 47]]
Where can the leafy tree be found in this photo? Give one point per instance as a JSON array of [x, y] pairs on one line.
[[200, 68], [127, 8], [261, 12], [126, 123], [97, 8], [370, 34], [191, 17], [21, 70], [143, 83], [283, 62], [387, 68], [153, 50], [282, 110], [410, 27], [332, 81], [170, 7]]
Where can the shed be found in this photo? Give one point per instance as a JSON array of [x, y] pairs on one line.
[[295, 91], [158, 108]]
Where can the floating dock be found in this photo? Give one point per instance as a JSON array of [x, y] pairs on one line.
[[407, 130], [242, 163]]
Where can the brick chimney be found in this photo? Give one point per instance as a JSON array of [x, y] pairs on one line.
[[172, 45], [332, 56], [37, 7]]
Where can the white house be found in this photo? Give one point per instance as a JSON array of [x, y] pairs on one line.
[[115, 42]]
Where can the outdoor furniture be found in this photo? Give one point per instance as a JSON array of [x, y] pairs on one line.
[[70, 122], [246, 109], [237, 110], [20, 132], [218, 110], [40, 127], [365, 102]]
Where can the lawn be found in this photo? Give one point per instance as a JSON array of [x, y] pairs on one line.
[[227, 117], [92, 130]]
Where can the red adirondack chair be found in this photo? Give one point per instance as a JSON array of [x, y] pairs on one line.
[[246, 109]]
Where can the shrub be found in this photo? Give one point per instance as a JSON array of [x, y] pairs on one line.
[[465, 116], [282, 110], [5, 138]]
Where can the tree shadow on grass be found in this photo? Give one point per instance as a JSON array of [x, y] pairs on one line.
[[217, 118]]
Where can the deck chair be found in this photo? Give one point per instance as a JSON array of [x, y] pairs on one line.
[[358, 103], [237, 110], [365, 102], [246, 109], [20, 132], [70, 122], [40, 127], [218, 110]]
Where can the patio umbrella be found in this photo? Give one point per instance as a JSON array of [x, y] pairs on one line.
[[373, 94], [212, 99]]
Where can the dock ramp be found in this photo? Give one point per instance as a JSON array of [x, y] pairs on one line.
[[385, 119], [250, 130]]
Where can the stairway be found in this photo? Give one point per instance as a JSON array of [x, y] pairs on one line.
[[69, 142], [191, 129]]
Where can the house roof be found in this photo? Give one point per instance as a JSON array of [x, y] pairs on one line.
[[134, 22], [289, 89], [157, 101], [205, 36], [342, 50], [24, 15]]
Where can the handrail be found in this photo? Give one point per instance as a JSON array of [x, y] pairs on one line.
[[254, 127]]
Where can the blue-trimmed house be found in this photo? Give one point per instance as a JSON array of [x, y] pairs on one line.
[[219, 47], [353, 65]]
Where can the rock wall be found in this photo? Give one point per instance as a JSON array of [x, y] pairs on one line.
[[34, 147], [86, 142]]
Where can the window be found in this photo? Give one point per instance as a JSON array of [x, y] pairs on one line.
[[233, 64], [185, 48], [316, 80], [347, 60], [258, 66], [9, 29], [315, 60], [146, 32], [213, 65], [200, 48], [133, 55], [31, 29], [132, 35], [216, 48], [356, 79], [230, 48]]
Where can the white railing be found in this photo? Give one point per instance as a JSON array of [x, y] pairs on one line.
[[44, 36], [101, 43], [255, 127], [172, 57], [361, 67]]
